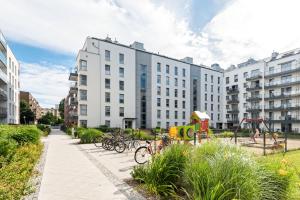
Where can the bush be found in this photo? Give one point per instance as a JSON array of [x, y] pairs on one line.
[[143, 135], [45, 128], [128, 131], [88, 135], [104, 129], [7, 149], [162, 176], [25, 135], [227, 134], [15, 174]]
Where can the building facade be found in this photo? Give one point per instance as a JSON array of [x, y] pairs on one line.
[[9, 84], [33, 105], [126, 86]]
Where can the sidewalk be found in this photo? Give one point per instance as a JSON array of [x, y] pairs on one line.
[[69, 174]]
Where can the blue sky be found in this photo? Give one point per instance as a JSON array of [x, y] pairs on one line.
[[46, 35]]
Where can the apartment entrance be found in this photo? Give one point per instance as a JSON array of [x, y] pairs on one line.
[[286, 127], [128, 122]]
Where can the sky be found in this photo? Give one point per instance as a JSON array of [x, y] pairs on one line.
[[45, 36]]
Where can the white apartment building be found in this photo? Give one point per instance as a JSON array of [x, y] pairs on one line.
[[126, 86], [9, 84], [268, 89]]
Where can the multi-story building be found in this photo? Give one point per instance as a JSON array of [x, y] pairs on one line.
[[9, 84], [268, 89], [53, 111], [32, 103], [126, 86]]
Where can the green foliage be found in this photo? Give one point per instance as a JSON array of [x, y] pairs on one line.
[[128, 131], [163, 175], [88, 135], [45, 128], [26, 134], [50, 119], [143, 135], [7, 150], [15, 174], [105, 129], [227, 134], [26, 115], [61, 108]]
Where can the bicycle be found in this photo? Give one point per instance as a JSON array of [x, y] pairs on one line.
[[121, 145]]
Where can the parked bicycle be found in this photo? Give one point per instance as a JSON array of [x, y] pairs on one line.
[[130, 143]]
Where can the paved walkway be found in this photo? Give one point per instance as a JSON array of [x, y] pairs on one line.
[[70, 174]]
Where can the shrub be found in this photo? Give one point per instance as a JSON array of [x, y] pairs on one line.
[[162, 176], [227, 134], [88, 135], [79, 131], [7, 149], [45, 128], [143, 135], [25, 134], [104, 129], [128, 131], [15, 175]]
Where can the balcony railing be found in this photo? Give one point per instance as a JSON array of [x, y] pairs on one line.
[[283, 82], [233, 120], [282, 107], [282, 71], [73, 101], [3, 112], [288, 118], [3, 60], [232, 91], [254, 98], [253, 109], [254, 87], [234, 110], [279, 95], [253, 76], [3, 94], [232, 101], [73, 76]]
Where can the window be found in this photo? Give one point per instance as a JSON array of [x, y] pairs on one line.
[[158, 90], [183, 104], [205, 87], [205, 97], [212, 116], [121, 85], [107, 123], [176, 115], [83, 80], [167, 124], [183, 83], [176, 82], [175, 103], [107, 55], [158, 79], [107, 70], [83, 95], [227, 80], [121, 98], [205, 106], [83, 109], [245, 74], [167, 91], [158, 114], [83, 123], [83, 65], [175, 92], [107, 111], [167, 80], [107, 97], [121, 58], [167, 69], [158, 67], [211, 97], [183, 114], [121, 72], [167, 114], [218, 99], [183, 93], [158, 102], [107, 83], [167, 102], [121, 111], [143, 76], [183, 72], [219, 80], [205, 77], [286, 66], [218, 89], [176, 71], [211, 107], [211, 78], [158, 124], [212, 88], [236, 78], [219, 107]]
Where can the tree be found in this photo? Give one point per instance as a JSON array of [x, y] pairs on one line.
[[26, 115], [48, 119], [61, 108]]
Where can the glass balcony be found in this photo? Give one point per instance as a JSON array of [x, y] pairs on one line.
[[232, 91], [253, 76], [233, 110], [233, 120], [288, 106], [254, 98], [233, 101], [3, 59], [288, 118], [73, 76], [254, 108], [280, 83], [252, 87], [279, 95], [2, 42], [280, 71]]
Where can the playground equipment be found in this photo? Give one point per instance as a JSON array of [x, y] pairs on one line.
[[199, 124]]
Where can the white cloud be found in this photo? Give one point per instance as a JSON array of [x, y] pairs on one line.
[[47, 82]]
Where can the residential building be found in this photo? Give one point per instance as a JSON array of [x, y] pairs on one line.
[[53, 111], [9, 84], [32, 103], [126, 86]]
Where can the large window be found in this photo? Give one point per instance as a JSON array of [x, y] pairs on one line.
[[167, 69], [158, 114], [121, 85], [183, 72], [167, 80], [121, 72], [83, 123], [176, 93], [107, 55], [121, 98], [158, 90], [183, 83], [158, 102], [107, 97], [167, 102], [286, 66], [83, 65], [143, 76], [176, 115], [107, 70], [176, 81], [183, 104], [176, 71], [83, 109], [183, 93], [107, 83], [83, 95], [121, 111], [205, 77], [227, 80], [107, 111], [121, 58], [158, 67], [158, 79], [167, 91], [83, 79], [175, 103], [167, 114]]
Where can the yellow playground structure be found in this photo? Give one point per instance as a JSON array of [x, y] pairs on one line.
[[199, 124]]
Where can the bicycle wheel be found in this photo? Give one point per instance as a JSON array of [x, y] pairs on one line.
[[110, 144], [136, 144], [142, 155], [120, 146], [104, 141], [98, 141]]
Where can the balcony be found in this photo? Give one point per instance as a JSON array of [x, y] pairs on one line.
[[233, 101], [282, 107], [3, 112], [253, 87], [254, 76], [3, 95], [73, 101], [234, 110], [254, 98], [280, 119], [254, 109], [282, 95], [282, 83], [279, 72], [73, 76], [2, 42], [233, 91], [233, 120]]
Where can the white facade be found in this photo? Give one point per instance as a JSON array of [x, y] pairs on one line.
[[9, 84]]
